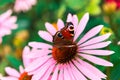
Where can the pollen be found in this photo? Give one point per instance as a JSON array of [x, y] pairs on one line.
[[25, 76], [64, 53]]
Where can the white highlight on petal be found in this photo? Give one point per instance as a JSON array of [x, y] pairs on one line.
[[50, 28], [60, 24], [96, 60], [96, 40], [12, 72], [96, 46], [45, 35], [9, 78], [81, 25], [90, 34], [97, 52], [39, 45], [69, 18]]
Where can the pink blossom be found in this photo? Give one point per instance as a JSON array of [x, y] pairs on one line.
[[7, 23], [14, 74], [46, 67], [24, 5]]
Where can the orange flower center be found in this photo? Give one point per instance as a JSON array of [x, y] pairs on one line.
[[25, 76], [64, 52]]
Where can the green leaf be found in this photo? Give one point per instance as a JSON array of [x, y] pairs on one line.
[[4, 2], [115, 74]]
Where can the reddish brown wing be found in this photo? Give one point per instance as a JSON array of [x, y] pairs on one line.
[[65, 34]]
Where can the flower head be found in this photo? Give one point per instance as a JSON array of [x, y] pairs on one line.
[[23, 5], [7, 23], [22, 75], [65, 58]]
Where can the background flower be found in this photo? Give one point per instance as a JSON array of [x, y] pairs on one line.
[[7, 23], [23, 5]]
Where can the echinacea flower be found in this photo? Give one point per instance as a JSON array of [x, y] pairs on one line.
[[22, 75], [7, 23], [68, 60], [23, 5]]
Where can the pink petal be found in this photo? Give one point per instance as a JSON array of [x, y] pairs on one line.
[[86, 71], [42, 70], [96, 40], [97, 45], [45, 35], [48, 73], [70, 72], [21, 69], [12, 72], [60, 24], [96, 60], [9, 78], [75, 21], [26, 60], [90, 34], [92, 69], [97, 52], [61, 73], [37, 63], [5, 15], [81, 26], [0, 40], [50, 28], [66, 74], [69, 18], [77, 74], [55, 73], [39, 45]]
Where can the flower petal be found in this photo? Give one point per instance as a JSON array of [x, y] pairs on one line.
[[55, 73], [26, 60], [9, 78], [69, 18], [21, 69], [39, 45], [86, 71], [97, 45], [12, 72], [45, 35], [61, 76], [93, 69], [96, 60], [75, 21], [48, 73], [90, 34], [37, 63], [96, 40], [81, 25], [98, 52], [42, 70], [77, 74], [60, 24], [50, 28]]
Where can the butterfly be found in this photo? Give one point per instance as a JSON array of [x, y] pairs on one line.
[[65, 35]]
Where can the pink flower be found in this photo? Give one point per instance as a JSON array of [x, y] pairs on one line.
[[7, 23], [68, 61], [14, 74], [24, 5]]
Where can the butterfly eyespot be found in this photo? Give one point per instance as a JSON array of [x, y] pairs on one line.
[[59, 35], [70, 28]]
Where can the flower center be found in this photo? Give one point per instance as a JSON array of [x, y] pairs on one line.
[[64, 52], [25, 76]]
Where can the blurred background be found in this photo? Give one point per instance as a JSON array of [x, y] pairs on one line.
[[106, 12]]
